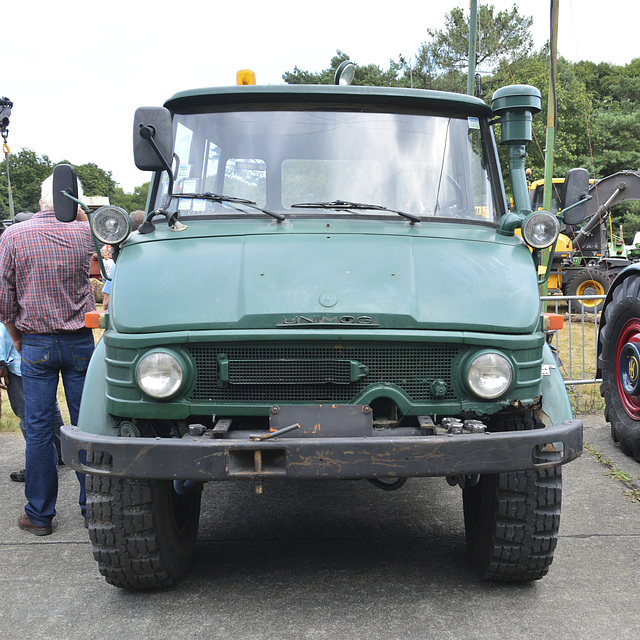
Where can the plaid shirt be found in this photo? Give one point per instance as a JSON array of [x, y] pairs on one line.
[[44, 274]]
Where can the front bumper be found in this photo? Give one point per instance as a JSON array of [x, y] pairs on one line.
[[202, 458]]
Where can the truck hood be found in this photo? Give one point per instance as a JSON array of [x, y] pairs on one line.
[[462, 279]]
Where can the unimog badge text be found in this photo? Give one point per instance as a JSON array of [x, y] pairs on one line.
[[338, 320]]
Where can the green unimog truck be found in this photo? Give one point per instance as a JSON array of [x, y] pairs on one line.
[[327, 284]]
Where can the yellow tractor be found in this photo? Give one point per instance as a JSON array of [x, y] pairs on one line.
[[587, 258]]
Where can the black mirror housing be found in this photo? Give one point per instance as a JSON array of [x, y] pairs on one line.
[[576, 189], [65, 181], [152, 123]]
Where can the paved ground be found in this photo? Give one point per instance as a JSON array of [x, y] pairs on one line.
[[333, 560]]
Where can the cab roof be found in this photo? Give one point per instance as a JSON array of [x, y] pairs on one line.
[[288, 95]]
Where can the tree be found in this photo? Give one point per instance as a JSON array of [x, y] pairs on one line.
[[95, 181], [370, 75], [502, 35], [574, 108], [615, 121], [26, 171], [131, 201], [442, 62]]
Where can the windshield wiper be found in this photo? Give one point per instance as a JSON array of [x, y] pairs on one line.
[[345, 204], [231, 200]]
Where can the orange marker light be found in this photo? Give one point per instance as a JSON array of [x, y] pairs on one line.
[[553, 322], [245, 77], [94, 320]]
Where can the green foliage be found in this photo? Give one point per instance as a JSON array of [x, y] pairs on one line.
[[442, 62], [501, 36], [131, 201], [95, 181], [370, 75], [27, 171]]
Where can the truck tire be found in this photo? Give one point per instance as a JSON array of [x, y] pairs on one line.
[[621, 326], [142, 532], [587, 282], [512, 519]]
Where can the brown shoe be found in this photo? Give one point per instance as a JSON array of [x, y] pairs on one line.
[[26, 525]]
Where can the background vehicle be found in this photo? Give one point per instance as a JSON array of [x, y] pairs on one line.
[[327, 284], [619, 360], [588, 257]]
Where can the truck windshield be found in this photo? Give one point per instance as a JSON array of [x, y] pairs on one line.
[[300, 163]]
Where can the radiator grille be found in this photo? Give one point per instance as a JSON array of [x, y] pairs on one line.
[[317, 374], [289, 371]]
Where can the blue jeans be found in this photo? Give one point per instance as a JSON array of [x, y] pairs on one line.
[[15, 392], [16, 399], [44, 357]]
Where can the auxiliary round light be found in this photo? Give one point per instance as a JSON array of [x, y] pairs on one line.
[[540, 229], [111, 225], [489, 375], [345, 73], [160, 374]]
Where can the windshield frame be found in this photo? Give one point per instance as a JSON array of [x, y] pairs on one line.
[[488, 151]]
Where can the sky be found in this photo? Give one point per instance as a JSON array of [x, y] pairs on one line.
[[76, 70]]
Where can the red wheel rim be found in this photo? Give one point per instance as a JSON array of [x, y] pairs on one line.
[[630, 333]]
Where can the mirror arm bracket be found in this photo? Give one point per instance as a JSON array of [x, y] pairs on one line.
[[561, 213], [147, 132], [84, 207]]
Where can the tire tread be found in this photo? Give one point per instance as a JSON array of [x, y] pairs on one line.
[[124, 534]]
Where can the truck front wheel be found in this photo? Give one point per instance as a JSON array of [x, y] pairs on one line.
[[618, 360], [512, 520], [142, 532]]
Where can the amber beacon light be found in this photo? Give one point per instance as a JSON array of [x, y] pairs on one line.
[[245, 76]]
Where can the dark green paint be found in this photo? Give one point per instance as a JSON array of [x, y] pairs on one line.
[[331, 280], [251, 274]]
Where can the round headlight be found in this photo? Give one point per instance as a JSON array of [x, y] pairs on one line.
[[159, 374], [540, 229], [489, 375], [111, 225]]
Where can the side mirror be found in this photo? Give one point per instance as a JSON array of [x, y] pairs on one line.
[[152, 138], [575, 194], [65, 181]]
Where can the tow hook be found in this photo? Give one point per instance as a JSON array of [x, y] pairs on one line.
[[275, 433]]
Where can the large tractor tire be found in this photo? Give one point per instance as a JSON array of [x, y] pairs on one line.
[[587, 282], [512, 519], [142, 532], [619, 362]]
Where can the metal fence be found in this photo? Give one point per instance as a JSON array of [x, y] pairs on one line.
[[574, 353]]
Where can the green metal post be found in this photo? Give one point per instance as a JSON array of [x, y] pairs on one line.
[[551, 110], [551, 129], [473, 35]]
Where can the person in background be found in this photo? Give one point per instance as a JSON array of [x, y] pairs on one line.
[[11, 373], [107, 259], [11, 380], [45, 291], [136, 220]]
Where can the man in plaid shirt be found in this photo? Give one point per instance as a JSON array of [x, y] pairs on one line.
[[45, 290]]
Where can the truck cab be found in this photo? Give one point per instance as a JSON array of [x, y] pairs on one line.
[[327, 284]]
